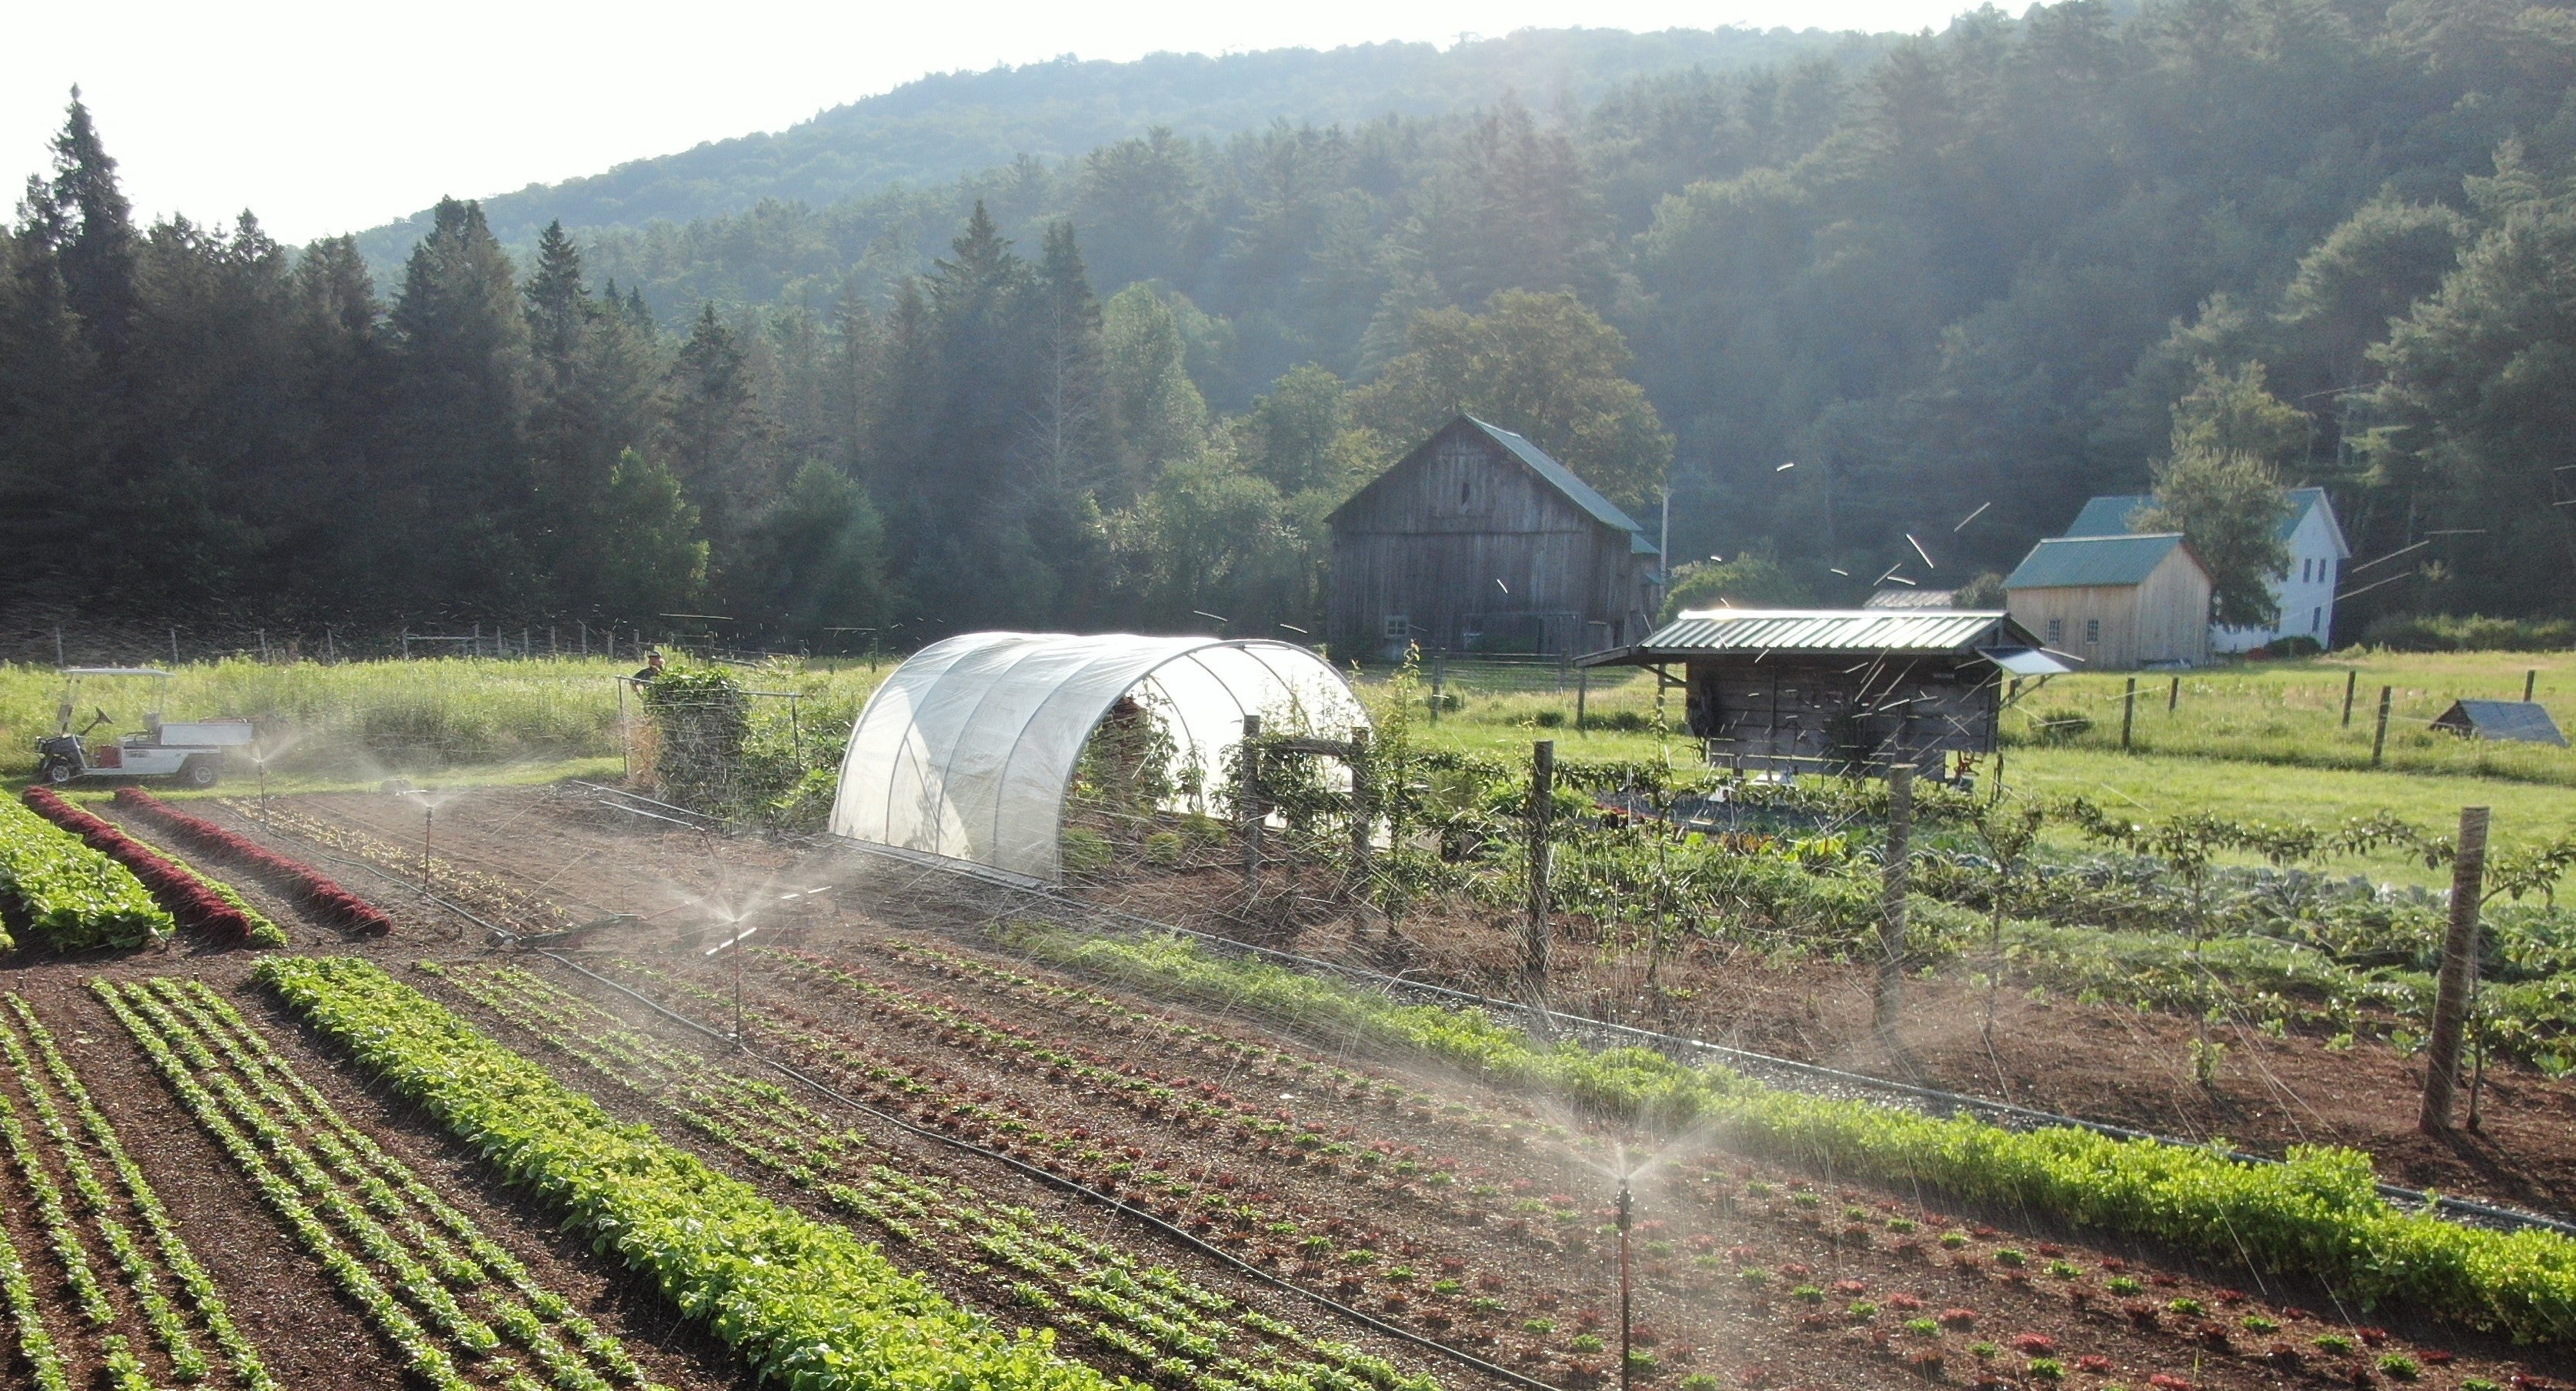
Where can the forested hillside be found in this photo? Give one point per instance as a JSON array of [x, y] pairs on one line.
[[1841, 307], [947, 125]]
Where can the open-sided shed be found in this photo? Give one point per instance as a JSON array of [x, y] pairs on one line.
[[1841, 690], [2521, 721]]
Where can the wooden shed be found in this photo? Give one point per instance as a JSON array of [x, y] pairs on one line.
[[1841, 690], [2115, 601], [1477, 541], [2519, 721]]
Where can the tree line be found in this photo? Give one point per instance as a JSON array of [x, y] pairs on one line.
[[2207, 248]]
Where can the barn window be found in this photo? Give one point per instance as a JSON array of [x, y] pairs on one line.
[[2056, 630], [1398, 627], [1462, 492], [2092, 630]]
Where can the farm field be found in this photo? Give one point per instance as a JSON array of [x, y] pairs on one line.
[[884, 999], [1183, 1175]]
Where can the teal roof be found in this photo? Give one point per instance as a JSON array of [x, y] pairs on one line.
[[2109, 516], [2065, 561], [1558, 476]]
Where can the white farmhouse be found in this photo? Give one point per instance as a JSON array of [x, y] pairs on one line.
[[2305, 595]]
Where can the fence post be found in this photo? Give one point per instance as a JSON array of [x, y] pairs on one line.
[[2379, 736], [2173, 696], [263, 644], [1363, 800], [58, 646], [2459, 973], [1439, 672], [2530, 677], [1542, 799], [406, 644], [330, 648], [2128, 713], [2351, 683], [1247, 797], [1582, 688], [174, 647], [1891, 925]]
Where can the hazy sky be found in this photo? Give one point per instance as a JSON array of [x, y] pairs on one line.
[[332, 118]]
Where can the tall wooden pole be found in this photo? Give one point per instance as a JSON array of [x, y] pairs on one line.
[[1535, 939], [2459, 973], [1247, 796], [1891, 921]]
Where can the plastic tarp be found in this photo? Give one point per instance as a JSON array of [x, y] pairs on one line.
[[968, 749]]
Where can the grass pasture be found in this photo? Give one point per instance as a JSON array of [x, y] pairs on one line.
[[355, 722]]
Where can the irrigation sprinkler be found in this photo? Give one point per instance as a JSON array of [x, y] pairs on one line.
[[1625, 1202]]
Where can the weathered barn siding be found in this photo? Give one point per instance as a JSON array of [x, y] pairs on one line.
[[2163, 618], [1474, 551], [1812, 715]]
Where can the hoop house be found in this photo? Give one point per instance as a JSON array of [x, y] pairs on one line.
[[968, 749]]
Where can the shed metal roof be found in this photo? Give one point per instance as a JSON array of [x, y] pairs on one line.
[[1826, 630], [2109, 515], [2063, 561], [1910, 599], [2521, 721]]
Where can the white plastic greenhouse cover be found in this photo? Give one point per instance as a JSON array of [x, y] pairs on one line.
[[967, 750]]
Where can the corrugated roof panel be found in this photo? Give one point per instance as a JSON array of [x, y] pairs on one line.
[[2063, 561], [1825, 630]]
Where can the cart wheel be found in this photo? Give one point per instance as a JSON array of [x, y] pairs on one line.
[[60, 770], [199, 772]]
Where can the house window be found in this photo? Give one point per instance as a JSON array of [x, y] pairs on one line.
[[2092, 631], [1398, 627], [2306, 568], [2056, 631], [2316, 619]]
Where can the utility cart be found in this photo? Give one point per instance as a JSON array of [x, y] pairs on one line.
[[192, 751]]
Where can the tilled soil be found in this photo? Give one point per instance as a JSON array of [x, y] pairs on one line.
[[552, 861], [2100, 1062]]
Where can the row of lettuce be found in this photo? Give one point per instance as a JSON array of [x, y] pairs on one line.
[[805, 1303], [71, 882], [2318, 1215]]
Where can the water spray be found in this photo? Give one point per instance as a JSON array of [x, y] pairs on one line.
[[1624, 1288]]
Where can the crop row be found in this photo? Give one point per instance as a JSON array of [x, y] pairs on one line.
[[486, 894], [316, 890], [1862, 1234], [806, 1303], [1175, 1329], [66, 896], [2317, 1215], [168, 1254], [202, 904], [412, 1261]]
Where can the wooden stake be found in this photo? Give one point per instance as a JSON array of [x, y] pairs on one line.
[[2529, 679], [2173, 696], [2459, 973], [2128, 713], [2351, 682], [2379, 736], [1535, 941], [1891, 924], [1247, 796], [1582, 688]]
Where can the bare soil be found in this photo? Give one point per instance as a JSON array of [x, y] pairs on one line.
[[532, 860]]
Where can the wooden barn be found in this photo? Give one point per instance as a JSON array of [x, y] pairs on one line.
[[1841, 691], [2115, 601], [1477, 541]]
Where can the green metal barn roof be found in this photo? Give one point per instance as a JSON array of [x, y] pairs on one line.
[[2066, 561]]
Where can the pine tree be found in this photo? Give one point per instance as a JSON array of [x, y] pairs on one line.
[[462, 491], [719, 437], [1065, 436], [96, 242]]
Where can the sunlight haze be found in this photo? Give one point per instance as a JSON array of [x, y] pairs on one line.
[[331, 119]]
